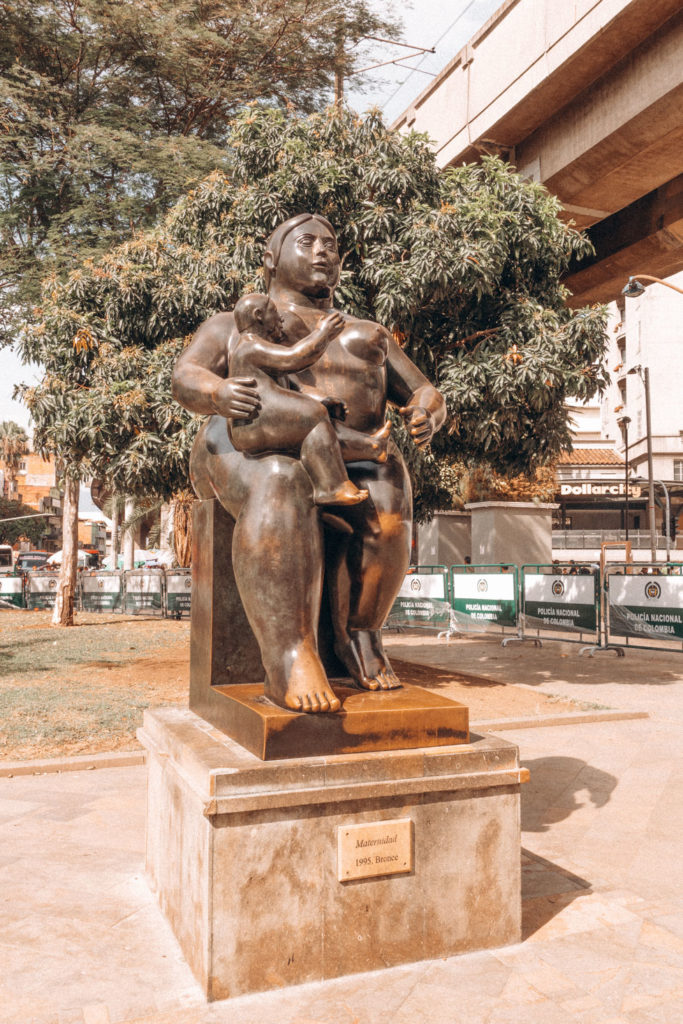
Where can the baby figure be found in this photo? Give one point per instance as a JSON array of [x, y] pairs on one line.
[[288, 421]]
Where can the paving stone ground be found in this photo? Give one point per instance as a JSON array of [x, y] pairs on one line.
[[82, 941]]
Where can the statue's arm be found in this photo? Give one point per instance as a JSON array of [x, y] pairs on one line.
[[422, 406], [200, 379], [288, 359]]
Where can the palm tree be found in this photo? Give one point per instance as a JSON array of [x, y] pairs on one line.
[[13, 445]]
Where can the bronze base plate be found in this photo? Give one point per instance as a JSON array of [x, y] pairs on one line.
[[401, 719]]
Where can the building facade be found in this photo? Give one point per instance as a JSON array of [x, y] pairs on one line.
[[603, 484]]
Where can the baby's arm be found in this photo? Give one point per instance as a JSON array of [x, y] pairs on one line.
[[290, 359]]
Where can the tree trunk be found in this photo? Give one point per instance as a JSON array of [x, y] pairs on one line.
[[63, 614], [129, 536], [114, 531], [182, 528]]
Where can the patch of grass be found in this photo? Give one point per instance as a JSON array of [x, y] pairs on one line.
[[35, 716], [582, 705], [28, 644]]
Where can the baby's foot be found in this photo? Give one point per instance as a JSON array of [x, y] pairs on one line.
[[380, 443], [347, 494]]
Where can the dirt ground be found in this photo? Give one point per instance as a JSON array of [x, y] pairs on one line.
[[84, 689]]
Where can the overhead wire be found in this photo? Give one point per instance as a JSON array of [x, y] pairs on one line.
[[417, 67]]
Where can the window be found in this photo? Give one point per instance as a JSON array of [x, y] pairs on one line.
[[678, 469]]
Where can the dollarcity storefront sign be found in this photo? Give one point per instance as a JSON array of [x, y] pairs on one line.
[[588, 489]]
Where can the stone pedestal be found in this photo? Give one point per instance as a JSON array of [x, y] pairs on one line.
[[244, 855]]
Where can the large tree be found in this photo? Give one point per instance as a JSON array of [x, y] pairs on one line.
[[107, 109], [463, 266], [13, 447]]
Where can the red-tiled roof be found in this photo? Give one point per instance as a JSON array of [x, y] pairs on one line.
[[590, 457]]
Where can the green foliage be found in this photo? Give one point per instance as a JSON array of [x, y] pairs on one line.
[[32, 529], [13, 445], [108, 109], [463, 267]]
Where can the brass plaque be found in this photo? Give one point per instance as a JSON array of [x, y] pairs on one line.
[[381, 848]]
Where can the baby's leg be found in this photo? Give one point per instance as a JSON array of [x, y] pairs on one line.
[[294, 423], [358, 447], [321, 458]]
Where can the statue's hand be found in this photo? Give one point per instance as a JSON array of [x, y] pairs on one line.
[[420, 423], [236, 398], [335, 407]]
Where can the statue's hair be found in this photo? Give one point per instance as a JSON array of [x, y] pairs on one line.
[[245, 309], [274, 243]]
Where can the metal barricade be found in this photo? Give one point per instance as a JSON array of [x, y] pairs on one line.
[[644, 605], [41, 588], [483, 598], [178, 592], [423, 600], [12, 589], [561, 602], [144, 592], [101, 590]]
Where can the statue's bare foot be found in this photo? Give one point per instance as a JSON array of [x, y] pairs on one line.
[[366, 661], [347, 494], [302, 685], [375, 447]]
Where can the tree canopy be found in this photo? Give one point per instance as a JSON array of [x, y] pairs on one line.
[[463, 266], [10, 532], [108, 109], [13, 446]]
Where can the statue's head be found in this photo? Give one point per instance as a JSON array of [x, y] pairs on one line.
[[301, 255], [258, 313]]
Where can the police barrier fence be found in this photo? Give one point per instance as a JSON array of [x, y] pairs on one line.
[[644, 605], [561, 598], [423, 599], [178, 592], [12, 589], [41, 589], [144, 592], [101, 590], [483, 598]]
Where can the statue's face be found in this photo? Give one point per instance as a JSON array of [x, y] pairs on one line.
[[309, 260]]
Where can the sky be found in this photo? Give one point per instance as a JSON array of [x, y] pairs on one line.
[[445, 25]]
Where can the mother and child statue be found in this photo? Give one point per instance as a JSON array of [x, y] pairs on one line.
[[298, 450]]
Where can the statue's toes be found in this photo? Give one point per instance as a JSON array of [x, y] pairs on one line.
[[323, 702], [334, 702]]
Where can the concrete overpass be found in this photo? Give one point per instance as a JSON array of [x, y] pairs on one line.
[[585, 96]]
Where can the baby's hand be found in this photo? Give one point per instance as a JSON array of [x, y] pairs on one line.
[[332, 325]]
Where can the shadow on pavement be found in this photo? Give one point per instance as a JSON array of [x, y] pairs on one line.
[[547, 889]]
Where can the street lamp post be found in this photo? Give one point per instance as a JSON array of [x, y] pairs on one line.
[[644, 374], [635, 288], [667, 506], [667, 531], [623, 423]]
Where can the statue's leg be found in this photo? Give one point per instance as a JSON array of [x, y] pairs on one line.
[[277, 556], [377, 558]]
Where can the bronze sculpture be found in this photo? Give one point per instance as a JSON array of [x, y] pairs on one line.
[[279, 551]]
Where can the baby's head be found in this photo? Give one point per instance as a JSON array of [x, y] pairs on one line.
[[258, 313]]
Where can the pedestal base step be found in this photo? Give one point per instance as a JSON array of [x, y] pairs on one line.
[[401, 719]]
